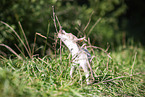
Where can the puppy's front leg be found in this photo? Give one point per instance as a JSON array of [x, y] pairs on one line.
[[72, 70]]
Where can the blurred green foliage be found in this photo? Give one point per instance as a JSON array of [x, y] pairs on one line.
[[35, 15]]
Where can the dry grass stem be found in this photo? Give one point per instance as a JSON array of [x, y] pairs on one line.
[[34, 44], [78, 32], [20, 50], [111, 79], [41, 35], [90, 46], [18, 38], [2, 57], [3, 53], [93, 26], [88, 21], [11, 50], [60, 28], [108, 54], [54, 19], [91, 71], [25, 38]]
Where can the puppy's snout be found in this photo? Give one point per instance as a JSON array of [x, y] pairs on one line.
[[62, 32]]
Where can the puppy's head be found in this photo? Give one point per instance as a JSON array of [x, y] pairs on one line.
[[69, 37]]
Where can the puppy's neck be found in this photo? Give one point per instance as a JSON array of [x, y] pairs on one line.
[[72, 46]]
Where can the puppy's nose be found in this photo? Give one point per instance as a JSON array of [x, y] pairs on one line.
[[63, 32]]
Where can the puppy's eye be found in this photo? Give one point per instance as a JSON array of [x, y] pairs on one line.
[[71, 49]]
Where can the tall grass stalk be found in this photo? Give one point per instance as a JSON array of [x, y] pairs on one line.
[[133, 63], [10, 49], [93, 26], [29, 49], [26, 48], [46, 38]]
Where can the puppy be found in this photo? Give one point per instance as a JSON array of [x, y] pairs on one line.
[[79, 55]]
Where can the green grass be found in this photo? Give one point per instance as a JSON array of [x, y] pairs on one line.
[[123, 75]]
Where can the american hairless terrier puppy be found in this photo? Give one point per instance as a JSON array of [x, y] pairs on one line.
[[79, 55]]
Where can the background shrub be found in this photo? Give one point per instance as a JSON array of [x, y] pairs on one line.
[[35, 16]]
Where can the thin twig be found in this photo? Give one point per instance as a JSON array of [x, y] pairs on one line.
[[78, 32], [3, 53], [84, 45], [94, 26], [55, 47], [108, 54], [107, 48], [88, 21], [3, 57], [43, 61], [54, 19], [60, 52], [60, 27], [90, 46], [41, 35], [91, 71]]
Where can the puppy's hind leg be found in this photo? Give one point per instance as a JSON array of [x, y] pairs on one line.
[[86, 71]]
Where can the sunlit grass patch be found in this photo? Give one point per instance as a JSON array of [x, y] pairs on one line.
[[123, 75]]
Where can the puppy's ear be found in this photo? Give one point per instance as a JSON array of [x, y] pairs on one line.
[[81, 39]]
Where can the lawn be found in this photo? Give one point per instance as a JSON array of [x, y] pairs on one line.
[[123, 75]]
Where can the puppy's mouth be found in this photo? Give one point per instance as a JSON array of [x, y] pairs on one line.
[[61, 32]]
